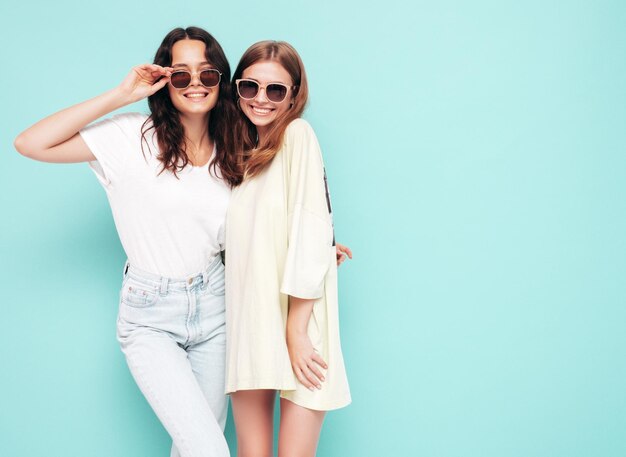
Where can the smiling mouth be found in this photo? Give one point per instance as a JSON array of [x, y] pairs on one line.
[[196, 95], [261, 111]]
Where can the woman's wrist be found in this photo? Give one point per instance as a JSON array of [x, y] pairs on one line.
[[296, 329], [120, 97]]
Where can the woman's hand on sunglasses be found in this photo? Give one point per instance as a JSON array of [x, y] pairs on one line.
[[145, 80]]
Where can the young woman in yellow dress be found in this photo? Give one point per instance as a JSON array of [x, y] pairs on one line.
[[281, 265]]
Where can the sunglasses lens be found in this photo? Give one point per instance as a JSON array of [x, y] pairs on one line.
[[276, 92], [210, 78], [247, 89], [180, 79]]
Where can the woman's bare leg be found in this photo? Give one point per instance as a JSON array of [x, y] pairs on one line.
[[299, 430], [253, 413]]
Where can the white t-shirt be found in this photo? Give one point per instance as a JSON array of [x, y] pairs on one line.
[[167, 225]]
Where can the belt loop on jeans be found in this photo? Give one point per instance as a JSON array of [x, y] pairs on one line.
[[164, 282], [205, 278], [126, 265]]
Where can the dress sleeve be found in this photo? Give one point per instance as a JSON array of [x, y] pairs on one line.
[[111, 141], [310, 228]]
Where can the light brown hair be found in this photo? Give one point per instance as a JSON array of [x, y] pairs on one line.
[[259, 154]]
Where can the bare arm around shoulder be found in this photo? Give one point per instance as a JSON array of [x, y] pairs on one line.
[[56, 139]]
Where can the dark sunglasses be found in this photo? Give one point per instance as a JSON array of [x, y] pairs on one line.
[[209, 78], [249, 89]]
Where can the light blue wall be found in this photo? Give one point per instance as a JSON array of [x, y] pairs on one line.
[[476, 154]]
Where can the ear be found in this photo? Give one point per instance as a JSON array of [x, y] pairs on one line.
[[294, 94]]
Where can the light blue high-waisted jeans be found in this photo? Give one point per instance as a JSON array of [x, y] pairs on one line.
[[172, 332]]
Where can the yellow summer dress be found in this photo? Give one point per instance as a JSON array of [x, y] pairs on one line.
[[280, 242]]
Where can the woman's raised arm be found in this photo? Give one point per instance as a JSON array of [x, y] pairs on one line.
[[56, 139]]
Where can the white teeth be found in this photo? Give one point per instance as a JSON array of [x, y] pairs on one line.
[[261, 110], [195, 95]]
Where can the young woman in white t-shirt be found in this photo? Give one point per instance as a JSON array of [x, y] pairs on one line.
[[168, 177], [281, 271]]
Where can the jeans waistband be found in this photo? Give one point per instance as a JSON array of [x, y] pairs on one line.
[[165, 284]]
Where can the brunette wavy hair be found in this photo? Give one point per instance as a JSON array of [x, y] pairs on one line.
[[259, 154], [225, 124]]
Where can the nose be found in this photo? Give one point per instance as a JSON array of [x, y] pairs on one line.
[[261, 96], [195, 79]]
